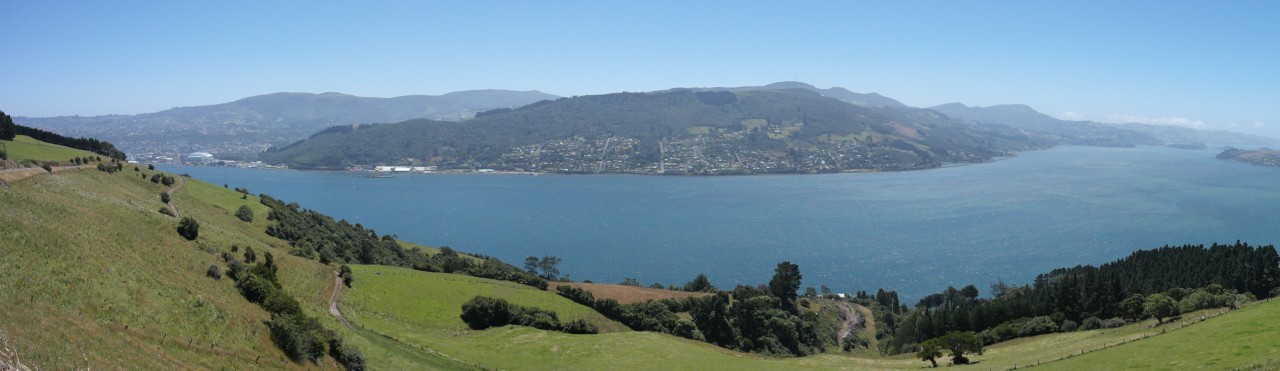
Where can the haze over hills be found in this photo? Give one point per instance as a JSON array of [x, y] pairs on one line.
[[1095, 133], [254, 123], [678, 131]]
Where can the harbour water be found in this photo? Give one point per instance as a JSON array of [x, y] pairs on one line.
[[915, 232]]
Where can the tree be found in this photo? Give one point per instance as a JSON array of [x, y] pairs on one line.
[[969, 291], [960, 343], [531, 264], [930, 351], [245, 214], [188, 228], [825, 290], [345, 272], [1160, 306], [164, 197], [700, 284], [8, 130], [785, 282], [1132, 307], [550, 267]]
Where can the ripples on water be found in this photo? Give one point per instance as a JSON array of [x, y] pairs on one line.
[[915, 232]]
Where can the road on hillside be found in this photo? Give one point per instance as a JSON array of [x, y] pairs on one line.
[[333, 301]]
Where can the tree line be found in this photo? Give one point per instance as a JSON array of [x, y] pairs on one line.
[[1157, 283], [9, 131], [314, 235]]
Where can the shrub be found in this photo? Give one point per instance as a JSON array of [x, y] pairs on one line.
[[1113, 323], [235, 270], [1068, 326], [151, 167], [1091, 323], [1037, 326], [580, 326], [214, 272], [578, 295], [245, 214], [164, 197], [189, 228], [249, 255], [482, 312], [166, 211], [297, 336], [46, 167], [345, 272]]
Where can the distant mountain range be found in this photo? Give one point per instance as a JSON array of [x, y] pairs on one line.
[[252, 124], [1095, 133]]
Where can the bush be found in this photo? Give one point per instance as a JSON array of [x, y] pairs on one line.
[[1068, 326], [189, 228], [46, 167], [164, 197], [1091, 323], [214, 272], [297, 336], [483, 312], [1114, 322], [166, 211], [235, 270], [578, 295], [347, 278], [580, 326], [245, 214], [1037, 326]]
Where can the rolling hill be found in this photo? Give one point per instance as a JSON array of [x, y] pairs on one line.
[[674, 132], [252, 124]]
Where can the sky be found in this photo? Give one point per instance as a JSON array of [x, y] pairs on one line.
[[1202, 64]]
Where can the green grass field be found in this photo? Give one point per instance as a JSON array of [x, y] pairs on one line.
[[1240, 339], [24, 148]]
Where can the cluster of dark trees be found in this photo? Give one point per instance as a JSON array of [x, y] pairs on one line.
[[298, 335], [314, 235], [8, 130], [766, 319], [1155, 283], [482, 312]]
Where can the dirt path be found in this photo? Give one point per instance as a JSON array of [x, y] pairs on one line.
[[333, 301], [851, 321], [178, 182]]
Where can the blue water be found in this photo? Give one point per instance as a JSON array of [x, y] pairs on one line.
[[915, 232]]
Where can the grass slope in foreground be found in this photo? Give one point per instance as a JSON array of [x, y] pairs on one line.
[[421, 310], [93, 276], [1247, 338]]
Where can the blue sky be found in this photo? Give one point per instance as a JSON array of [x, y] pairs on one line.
[[1201, 64]]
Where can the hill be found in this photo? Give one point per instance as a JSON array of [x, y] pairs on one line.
[[1096, 133], [252, 124], [1060, 131], [868, 100], [676, 132]]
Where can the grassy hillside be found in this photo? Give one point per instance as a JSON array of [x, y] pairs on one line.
[[24, 148], [421, 309], [1246, 338], [92, 275]]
